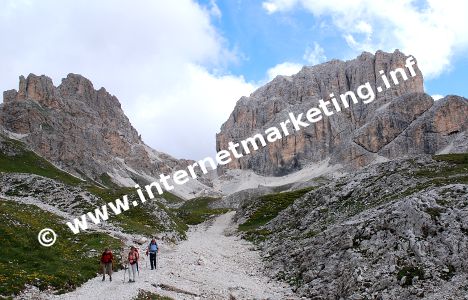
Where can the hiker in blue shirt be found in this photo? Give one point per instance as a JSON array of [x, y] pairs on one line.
[[153, 250]]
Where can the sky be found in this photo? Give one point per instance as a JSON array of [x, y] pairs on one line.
[[178, 67]]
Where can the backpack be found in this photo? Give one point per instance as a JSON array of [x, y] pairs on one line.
[[133, 257], [106, 257], [153, 248]]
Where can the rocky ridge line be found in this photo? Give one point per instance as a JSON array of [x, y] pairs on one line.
[[400, 121]]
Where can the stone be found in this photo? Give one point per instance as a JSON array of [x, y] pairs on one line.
[[401, 120], [142, 240], [389, 233], [82, 130]]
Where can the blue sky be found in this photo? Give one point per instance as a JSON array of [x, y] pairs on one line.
[[179, 67], [451, 82], [264, 40]]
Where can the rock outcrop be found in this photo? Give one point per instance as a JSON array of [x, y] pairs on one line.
[[395, 230], [442, 128], [82, 130], [402, 120]]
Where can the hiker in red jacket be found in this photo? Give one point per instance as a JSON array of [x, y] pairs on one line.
[[107, 261]]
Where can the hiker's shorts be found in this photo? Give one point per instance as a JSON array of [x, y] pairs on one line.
[[106, 268]]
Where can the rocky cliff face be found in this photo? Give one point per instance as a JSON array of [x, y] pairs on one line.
[[81, 129], [401, 120]]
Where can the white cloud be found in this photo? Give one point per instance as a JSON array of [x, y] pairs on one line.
[[278, 5], [214, 9], [190, 116], [285, 69], [155, 56], [312, 56], [316, 55], [437, 97], [433, 32]]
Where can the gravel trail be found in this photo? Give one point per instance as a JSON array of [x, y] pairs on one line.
[[210, 264]]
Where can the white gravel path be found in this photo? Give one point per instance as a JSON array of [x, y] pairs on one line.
[[209, 263]]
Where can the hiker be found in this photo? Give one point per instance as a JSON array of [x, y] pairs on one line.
[[107, 261], [153, 250], [133, 261], [138, 260]]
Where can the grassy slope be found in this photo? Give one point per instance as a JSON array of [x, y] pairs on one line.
[[24, 222], [136, 220], [65, 265], [171, 198], [25, 161], [454, 170], [197, 210], [267, 208]]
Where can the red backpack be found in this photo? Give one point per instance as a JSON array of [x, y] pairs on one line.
[[106, 257], [133, 257]]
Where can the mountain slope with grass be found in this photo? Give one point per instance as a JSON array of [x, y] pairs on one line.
[[362, 212], [25, 175], [35, 194], [72, 261], [389, 231]]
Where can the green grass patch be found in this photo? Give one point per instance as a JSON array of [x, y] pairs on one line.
[[455, 158], [63, 266], [410, 273], [256, 235], [140, 221], [179, 225], [434, 212], [171, 198], [145, 295], [107, 181], [455, 171], [269, 207], [448, 273], [15, 158], [198, 210], [137, 219]]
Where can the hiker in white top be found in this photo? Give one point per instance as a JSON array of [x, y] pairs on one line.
[[133, 257]]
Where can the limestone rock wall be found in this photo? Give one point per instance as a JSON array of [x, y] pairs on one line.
[[81, 129], [357, 135]]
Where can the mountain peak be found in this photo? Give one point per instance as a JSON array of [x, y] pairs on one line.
[[355, 136], [81, 129]]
